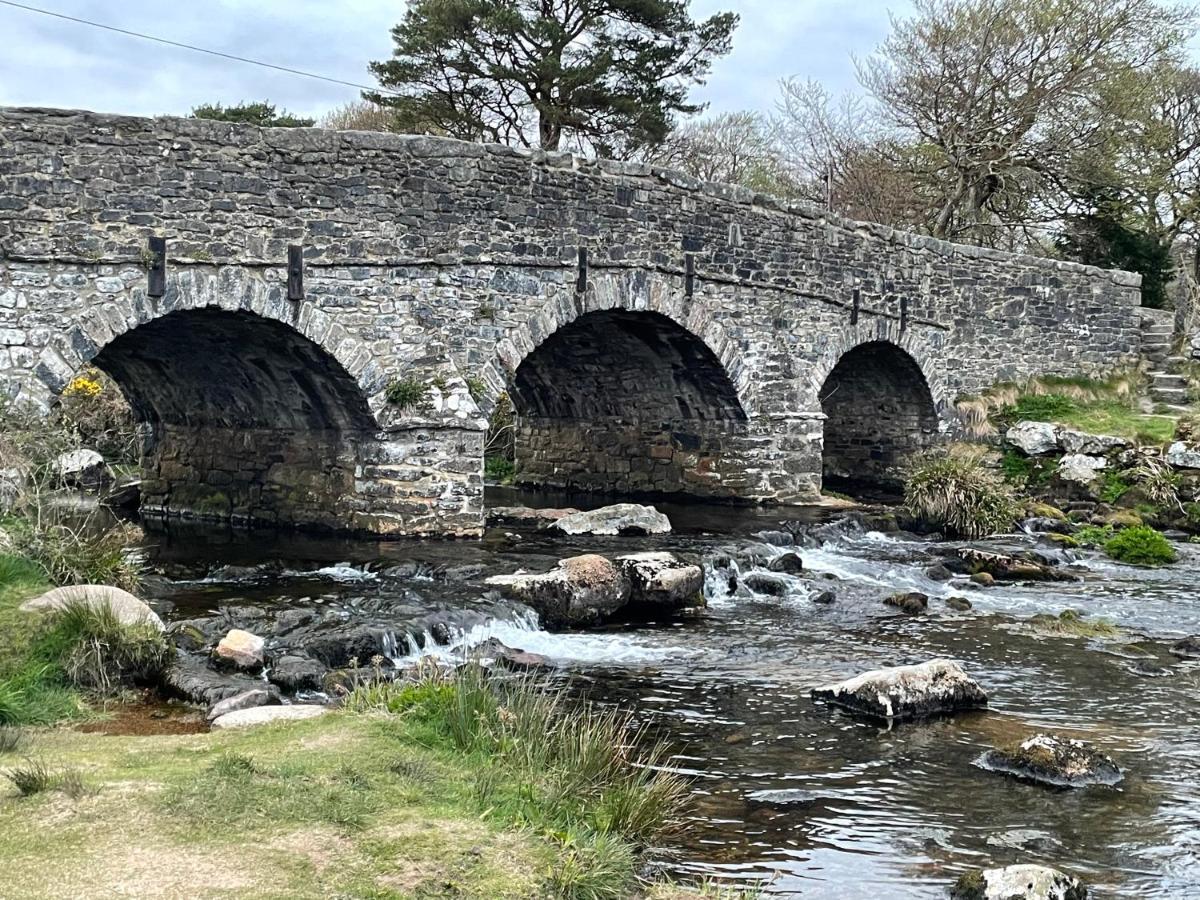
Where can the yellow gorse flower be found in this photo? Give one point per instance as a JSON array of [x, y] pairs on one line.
[[83, 386]]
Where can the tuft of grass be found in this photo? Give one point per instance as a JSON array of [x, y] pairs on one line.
[[1093, 536], [593, 867], [406, 393], [1140, 545], [100, 653], [30, 778], [955, 494]]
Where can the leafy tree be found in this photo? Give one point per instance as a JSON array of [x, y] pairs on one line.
[[251, 114], [1000, 96], [605, 74]]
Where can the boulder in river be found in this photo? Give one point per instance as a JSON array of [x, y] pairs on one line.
[[128, 609], [1055, 761], [933, 688], [1002, 567], [1024, 882], [788, 563], [580, 591], [297, 673], [912, 603], [620, 518], [265, 715], [662, 581], [960, 604], [769, 584], [240, 650], [191, 679]]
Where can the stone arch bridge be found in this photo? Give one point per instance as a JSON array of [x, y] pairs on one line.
[[656, 335]]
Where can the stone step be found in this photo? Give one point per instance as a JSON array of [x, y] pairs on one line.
[[1158, 329], [1160, 380], [1169, 395], [1157, 340]]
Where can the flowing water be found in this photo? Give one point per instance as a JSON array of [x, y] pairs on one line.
[[791, 794]]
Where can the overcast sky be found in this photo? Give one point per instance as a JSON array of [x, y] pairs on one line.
[[49, 62]]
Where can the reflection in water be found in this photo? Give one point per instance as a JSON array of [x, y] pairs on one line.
[[791, 792]]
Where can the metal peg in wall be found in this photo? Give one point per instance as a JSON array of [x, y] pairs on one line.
[[856, 299], [157, 268], [689, 274], [903, 313], [295, 273], [581, 282]]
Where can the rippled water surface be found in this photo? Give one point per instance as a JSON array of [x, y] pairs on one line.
[[791, 793]]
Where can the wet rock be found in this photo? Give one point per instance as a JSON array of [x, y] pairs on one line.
[[961, 604], [620, 518], [294, 673], [191, 679], [937, 687], [1002, 567], [1183, 455], [662, 581], [768, 584], [288, 620], [825, 597], [265, 715], [1059, 762], [245, 700], [775, 538], [1188, 648], [526, 515], [983, 579], [511, 657], [128, 609], [240, 650], [1024, 882], [583, 590], [336, 646], [1033, 438], [1079, 468], [188, 637], [83, 468], [911, 603], [788, 563], [938, 572], [125, 494]]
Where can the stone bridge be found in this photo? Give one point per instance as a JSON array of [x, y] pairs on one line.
[[656, 335]]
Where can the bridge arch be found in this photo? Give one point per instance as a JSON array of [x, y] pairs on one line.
[[883, 402], [626, 388], [252, 410]]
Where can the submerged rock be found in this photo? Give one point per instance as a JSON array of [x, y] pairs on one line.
[[1188, 648], [960, 604], [265, 715], [245, 700], [911, 603], [1025, 882], [620, 518], [933, 688], [582, 590], [938, 572], [825, 597], [1059, 762], [768, 584], [128, 609], [662, 581], [240, 650]]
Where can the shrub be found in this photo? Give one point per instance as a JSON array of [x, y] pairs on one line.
[[956, 495], [406, 393], [499, 470], [1140, 545], [1021, 470]]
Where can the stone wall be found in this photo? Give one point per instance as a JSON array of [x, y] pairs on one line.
[[452, 263]]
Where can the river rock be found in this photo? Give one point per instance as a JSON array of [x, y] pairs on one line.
[[768, 584], [913, 602], [297, 673], [128, 609], [1002, 567], [620, 518], [580, 591], [937, 687], [245, 700], [1188, 648], [265, 715], [526, 515], [776, 538], [960, 604], [1033, 438], [1079, 468], [938, 572], [1183, 455], [788, 563], [662, 581], [825, 598], [511, 657], [1059, 762], [1092, 444], [191, 679], [1024, 882], [82, 468], [240, 650]]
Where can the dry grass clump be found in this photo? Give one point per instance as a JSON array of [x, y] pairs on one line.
[[953, 493]]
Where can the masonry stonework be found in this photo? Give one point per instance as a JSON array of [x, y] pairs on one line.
[[457, 266]]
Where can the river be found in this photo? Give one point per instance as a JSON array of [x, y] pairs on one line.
[[790, 795]]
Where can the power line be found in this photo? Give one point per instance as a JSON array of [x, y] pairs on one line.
[[170, 43]]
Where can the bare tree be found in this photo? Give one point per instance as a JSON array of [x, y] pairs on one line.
[[361, 115], [738, 148], [1001, 95]]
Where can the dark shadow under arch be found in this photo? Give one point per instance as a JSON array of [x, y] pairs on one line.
[[625, 402], [879, 412], [246, 418]]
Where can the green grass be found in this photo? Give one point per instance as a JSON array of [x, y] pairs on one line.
[[499, 469], [1113, 486], [1027, 471], [1112, 417]]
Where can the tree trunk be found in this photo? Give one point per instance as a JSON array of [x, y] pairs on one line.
[[549, 132]]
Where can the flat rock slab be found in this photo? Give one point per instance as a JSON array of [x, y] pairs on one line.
[[620, 518], [934, 688], [128, 609], [265, 715], [1024, 882], [1054, 761], [527, 515]]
